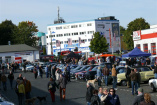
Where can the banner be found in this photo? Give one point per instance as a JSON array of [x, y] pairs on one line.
[[110, 38], [79, 40], [69, 41], [57, 43]]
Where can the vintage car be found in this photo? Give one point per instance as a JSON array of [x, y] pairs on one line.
[[145, 72], [153, 84]]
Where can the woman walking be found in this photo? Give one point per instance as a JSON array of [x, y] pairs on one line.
[[35, 71], [11, 78]]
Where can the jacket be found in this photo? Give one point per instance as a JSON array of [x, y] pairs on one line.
[[105, 71], [128, 71], [95, 100], [89, 93], [62, 82], [133, 76], [28, 86], [112, 100], [52, 86], [139, 98], [114, 72], [21, 88], [3, 78], [11, 76], [0, 76], [98, 73], [144, 103], [155, 69]]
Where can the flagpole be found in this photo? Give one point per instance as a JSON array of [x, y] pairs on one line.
[[112, 41]]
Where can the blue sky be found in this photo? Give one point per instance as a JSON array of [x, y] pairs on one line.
[[44, 12]]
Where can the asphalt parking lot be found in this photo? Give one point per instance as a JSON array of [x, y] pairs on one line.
[[75, 92]]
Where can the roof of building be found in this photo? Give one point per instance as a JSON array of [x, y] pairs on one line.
[[16, 48]]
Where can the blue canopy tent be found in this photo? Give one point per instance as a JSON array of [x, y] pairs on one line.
[[136, 53]]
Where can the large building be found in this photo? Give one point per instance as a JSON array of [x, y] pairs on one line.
[[67, 36], [146, 40]]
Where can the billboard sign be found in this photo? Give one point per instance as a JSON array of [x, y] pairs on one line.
[[136, 35]]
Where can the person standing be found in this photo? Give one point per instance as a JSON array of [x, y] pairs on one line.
[[114, 76], [99, 76], [0, 79], [11, 78], [104, 96], [53, 72], [24, 67], [112, 98], [95, 100], [52, 88], [100, 92], [133, 77], [41, 71], [21, 92], [155, 71], [46, 71], [139, 98], [89, 93], [105, 72], [127, 73], [138, 78], [4, 82], [28, 87], [147, 100], [35, 71], [62, 86], [68, 72], [20, 77]]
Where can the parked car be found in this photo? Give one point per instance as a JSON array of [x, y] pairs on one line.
[[29, 67], [81, 75], [72, 74], [153, 84], [3, 102], [145, 72]]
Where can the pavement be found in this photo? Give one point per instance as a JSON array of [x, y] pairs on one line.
[[75, 91]]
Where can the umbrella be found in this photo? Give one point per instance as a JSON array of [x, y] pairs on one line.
[[106, 55]]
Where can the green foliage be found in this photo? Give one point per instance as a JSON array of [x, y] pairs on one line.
[[122, 30], [98, 44], [24, 33], [6, 32], [135, 25]]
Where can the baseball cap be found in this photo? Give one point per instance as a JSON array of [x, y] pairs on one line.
[[140, 90]]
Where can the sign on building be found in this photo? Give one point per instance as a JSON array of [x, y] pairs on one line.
[[136, 35]]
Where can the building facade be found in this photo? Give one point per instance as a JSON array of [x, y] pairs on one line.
[[18, 53], [146, 40], [67, 36]]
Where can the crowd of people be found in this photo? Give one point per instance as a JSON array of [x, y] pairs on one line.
[[58, 79]]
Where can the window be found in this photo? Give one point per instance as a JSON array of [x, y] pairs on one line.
[[74, 26], [65, 42], [89, 24], [76, 33], [47, 43], [90, 32], [61, 42], [145, 48], [47, 37], [89, 40], [82, 33], [58, 28], [49, 29], [153, 48], [138, 46], [66, 27]]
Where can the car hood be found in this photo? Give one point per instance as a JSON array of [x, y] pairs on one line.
[[120, 75]]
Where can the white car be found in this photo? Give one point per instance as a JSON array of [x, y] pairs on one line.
[[2, 102], [153, 84]]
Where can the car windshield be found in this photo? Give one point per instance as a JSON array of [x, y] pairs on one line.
[[84, 67], [140, 69], [121, 70], [77, 68], [95, 68], [87, 69]]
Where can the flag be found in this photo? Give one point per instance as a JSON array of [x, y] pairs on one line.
[[110, 38], [57, 43], [69, 41], [114, 37], [79, 40]]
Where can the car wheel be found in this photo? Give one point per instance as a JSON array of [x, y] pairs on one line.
[[123, 83], [153, 88]]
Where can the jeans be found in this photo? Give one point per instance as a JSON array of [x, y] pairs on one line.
[[28, 96], [106, 80], [88, 103], [4, 86], [47, 74], [21, 98], [99, 81], [52, 95], [11, 83], [155, 75], [114, 82], [134, 85]]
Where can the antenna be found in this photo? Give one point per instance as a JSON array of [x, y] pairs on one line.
[[58, 12]]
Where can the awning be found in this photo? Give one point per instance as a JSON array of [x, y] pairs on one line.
[[106, 55]]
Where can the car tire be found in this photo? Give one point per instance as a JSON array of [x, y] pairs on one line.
[[123, 83], [153, 88]]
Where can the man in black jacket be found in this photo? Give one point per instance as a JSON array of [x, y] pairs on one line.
[[89, 93], [139, 98], [128, 71]]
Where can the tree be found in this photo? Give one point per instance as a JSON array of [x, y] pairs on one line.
[[137, 24], [6, 32], [44, 50], [24, 33], [122, 30], [98, 44]]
